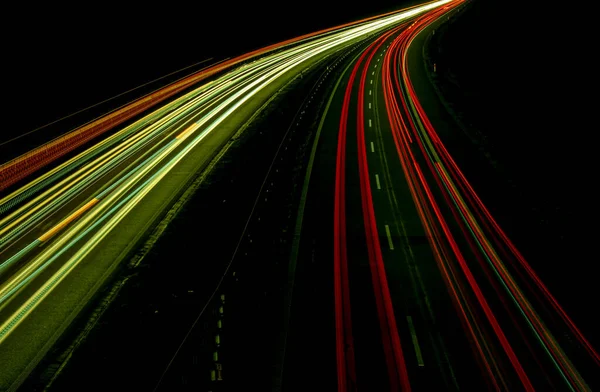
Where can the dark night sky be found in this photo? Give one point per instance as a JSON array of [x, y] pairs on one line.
[[59, 59]]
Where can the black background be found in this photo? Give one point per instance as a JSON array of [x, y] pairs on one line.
[[62, 58]]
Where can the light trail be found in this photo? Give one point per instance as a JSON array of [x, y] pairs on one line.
[[464, 237], [63, 215], [51, 225], [507, 313], [397, 372]]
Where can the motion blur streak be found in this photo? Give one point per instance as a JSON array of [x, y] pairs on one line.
[[343, 320], [346, 373], [397, 372], [52, 223], [19, 168], [519, 335], [463, 234]]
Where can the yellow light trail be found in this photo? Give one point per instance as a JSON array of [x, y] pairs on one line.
[[68, 220]]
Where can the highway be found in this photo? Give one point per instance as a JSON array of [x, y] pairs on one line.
[[69, 216], [429, 292], [399, 278]]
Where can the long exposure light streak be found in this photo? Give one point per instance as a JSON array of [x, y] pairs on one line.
[[62, 215], [440, 191]]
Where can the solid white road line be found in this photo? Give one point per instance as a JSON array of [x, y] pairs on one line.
[[389, 236], [413, 334]]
